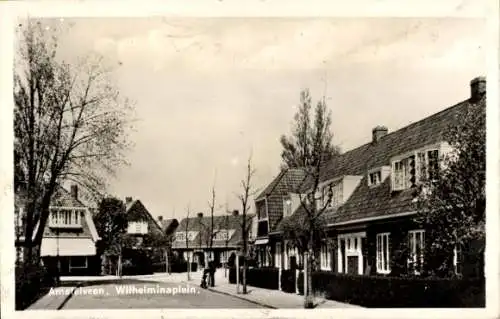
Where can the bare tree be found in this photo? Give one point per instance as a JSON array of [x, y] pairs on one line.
[[247, 191], [306, 229], [226, 239], [187, 245], [298, 151], [212, 233], [70, 124]]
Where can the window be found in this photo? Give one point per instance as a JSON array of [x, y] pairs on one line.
[[416, 246], [433, 164], [277, 255], [415, 168], [181, 235], [404, 173], [65, 218], [325, 257], [261, 210], [458, 259], [335, 192], [383, 266], [375, 178], [78, 262], [137, 227], [287, 207], [223, 235]]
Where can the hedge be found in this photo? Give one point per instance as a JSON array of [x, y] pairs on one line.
[[288, 280], [382, 291], [257, 277], [182, 267], [32, 282]]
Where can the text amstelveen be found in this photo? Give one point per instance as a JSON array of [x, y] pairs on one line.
[[124, 290]]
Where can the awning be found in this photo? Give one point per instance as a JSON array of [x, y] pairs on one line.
[[261, 241], [67, 247]]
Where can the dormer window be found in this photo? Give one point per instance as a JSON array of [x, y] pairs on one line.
[[65, 218], [287, 207], [374, 178], [331, 192], [415, 168], [261, 209]]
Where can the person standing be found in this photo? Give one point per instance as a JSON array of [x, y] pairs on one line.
[[212, 269]]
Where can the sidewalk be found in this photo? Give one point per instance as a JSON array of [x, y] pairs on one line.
[[264, 297], [53, 301], [274, 298]]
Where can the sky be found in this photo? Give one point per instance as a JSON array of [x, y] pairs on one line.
[[210, 91]]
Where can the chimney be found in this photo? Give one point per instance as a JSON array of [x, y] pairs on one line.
[[160, 218], [378, 132], [128, 200], [477, 88], [200, 215], [74, 191], [235, 212]]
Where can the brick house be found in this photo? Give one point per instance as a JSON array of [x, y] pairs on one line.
[[69, 236], [227, 237], [371, 218], [272, 204], [144, 232]]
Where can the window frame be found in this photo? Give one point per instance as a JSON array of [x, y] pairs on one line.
[[287, 207], [71, 266], [66, 217], [400, 180], [413, 258], [378, 180], [325, 257], [383, 262], [277, 255]]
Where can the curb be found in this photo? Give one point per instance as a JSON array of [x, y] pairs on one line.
[[242, 298], [69, 296]]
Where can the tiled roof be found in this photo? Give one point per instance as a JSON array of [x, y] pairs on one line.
[[136, 211], [287, 181], [292, 178], [169, 225], [202, 227], [367, 202], [63, 198]]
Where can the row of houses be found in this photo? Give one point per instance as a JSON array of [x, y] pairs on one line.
[[371, 215], [70, 238], [204, 238]]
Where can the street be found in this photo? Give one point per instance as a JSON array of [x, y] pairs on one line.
[[130, 293]]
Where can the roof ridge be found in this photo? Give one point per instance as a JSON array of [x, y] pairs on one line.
[[404, 127]]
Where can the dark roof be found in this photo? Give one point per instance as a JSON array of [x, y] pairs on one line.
[[286, 181], [367, 202], [169, 225], [371, 155], [63, 198], [136, 210], [202, 226]]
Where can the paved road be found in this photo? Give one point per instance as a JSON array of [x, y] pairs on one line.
[[131, 293]]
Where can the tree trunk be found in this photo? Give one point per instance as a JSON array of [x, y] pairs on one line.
[[308, 295], [188, 266], [244, 275]]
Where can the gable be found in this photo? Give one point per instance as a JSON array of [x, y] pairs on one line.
[[137, 212]]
